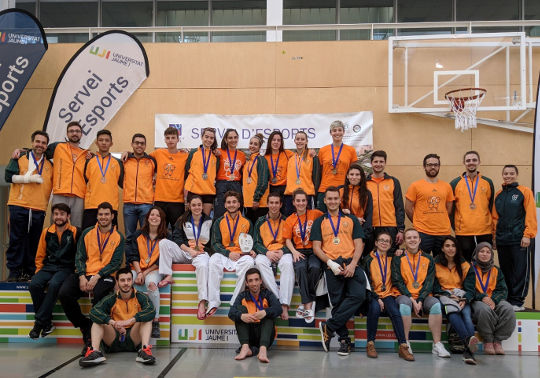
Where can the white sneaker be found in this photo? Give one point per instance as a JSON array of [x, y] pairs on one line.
[[518, 308], [440, 350]]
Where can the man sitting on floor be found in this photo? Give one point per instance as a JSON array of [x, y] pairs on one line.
[[122, 321], [254, 312]]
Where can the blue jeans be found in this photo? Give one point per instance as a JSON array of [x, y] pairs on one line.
[[392, 310], [462, 322], [134, 213]]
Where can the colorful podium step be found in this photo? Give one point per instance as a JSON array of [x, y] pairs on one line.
[[17, 317]]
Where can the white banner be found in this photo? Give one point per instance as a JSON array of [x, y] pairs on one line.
[[95, 84], [358, 128]]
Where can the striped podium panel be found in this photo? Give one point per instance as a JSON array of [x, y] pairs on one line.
[[296, 333], [17, 317]]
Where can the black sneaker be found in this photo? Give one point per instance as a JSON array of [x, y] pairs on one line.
[[47, 330], [344, 348], [155, 330], [145, 355], [326, 336], [92, 358], [468, 357], [34, 333]]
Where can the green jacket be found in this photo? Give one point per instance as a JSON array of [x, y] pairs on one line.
[[397, 279], [468, 283], [216, 237], [501, 290], [113, 265], [102, 312], [258, 245]]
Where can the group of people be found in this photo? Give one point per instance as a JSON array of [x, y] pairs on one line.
[[309, 214]]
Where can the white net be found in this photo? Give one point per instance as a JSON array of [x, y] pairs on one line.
[[464, 103]]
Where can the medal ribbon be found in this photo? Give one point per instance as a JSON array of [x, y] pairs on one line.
[[250, 169], [385, 273], [298, 165], [334, 229], [484, 287], [196, 234], [473, 195], [274, 234], [102, 248], [38, 170], [150, 246], [233, 162], [206, 161], [101, 167], [415, 274], [304, 230], [335, 160], [259, 305], [274, 169], [231, 235]]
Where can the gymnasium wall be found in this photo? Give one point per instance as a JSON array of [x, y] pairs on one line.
[[289, 77]]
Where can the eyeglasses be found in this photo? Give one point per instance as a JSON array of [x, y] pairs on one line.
[[432, 165], [384, 241]]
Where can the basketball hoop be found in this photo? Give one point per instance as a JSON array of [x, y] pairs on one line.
[[464, 103]]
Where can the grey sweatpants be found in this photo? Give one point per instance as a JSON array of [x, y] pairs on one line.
[[494, 325]]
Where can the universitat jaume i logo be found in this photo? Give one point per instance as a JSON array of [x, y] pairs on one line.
[[95, 50]]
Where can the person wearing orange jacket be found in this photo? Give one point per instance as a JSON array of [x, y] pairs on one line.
[[388, 208], [201, 170], [55, 261], [473, 204], [139, 172], [278, 161], [514, 215], [104, 175], [100, 251], [255, 181], [31, 178], [334, 161], [229, 175]]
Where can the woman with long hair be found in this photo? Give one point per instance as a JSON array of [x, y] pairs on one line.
[[307, 266], [278, 160], [190, 245], [356, 199], [229, 176], [301, 173], [454, 284], [143, 255], [255, 181], [202, 167]]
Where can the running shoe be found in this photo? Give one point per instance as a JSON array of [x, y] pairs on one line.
[[145, 355], [468, 357], [326, 336], [155, 330], [440, 350], [34, 333], [344, 348], [92, 358], [47, 330]]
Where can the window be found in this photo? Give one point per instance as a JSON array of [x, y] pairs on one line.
[[488, 10], [304, 12], [424, 11], [246, 12], [366, 11], [182, 13]]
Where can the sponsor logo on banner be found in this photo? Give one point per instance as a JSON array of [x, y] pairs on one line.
[[204, 334], [177, 126], [95, 84], [358, 127], [22, 45]]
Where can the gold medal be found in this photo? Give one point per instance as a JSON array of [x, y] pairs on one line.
[[298, 182], [336, 240], [304, 243], [147, 260], [103, 180], [248, 180], [197, 248], [334, 171], [472, 206], [416, 285]]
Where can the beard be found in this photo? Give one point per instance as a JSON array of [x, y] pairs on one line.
[[431, 173], [60, 223]]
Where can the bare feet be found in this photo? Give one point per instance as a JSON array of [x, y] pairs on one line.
[[244, 352], [201, 311], [284, 312], [166, 281], [211, 312], [262, 355]]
